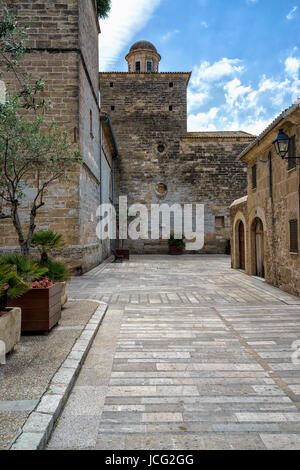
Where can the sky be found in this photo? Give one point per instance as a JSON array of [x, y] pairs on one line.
[[244, 54]]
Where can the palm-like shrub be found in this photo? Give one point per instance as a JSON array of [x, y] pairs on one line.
[[27, 269], [46, 241], [11, 285]]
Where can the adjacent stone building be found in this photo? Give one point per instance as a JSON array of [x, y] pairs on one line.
[[160, 162], [265, 224], [63, 48]]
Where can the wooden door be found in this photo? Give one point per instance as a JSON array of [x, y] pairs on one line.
[[242, 245], [259, 249]]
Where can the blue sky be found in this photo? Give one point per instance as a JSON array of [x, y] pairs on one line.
[[244, 54]]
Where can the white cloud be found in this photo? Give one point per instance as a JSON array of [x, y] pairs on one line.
[[291, 15], [234, 105], [125, 20], [292, 65], [203, 121], [170, 34], [207, 72], [234, 90]]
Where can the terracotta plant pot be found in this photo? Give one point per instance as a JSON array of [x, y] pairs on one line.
[[10, 329], [41, 308], [122, 253], [176, 251]]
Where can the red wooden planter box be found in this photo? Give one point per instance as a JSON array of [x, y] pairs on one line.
[[41, 308], [176, 251], [122, 253]]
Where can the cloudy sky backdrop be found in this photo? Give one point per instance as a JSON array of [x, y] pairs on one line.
[[244, 54]]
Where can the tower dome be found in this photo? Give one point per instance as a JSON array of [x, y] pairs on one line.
[[143, 45], [143, 57]]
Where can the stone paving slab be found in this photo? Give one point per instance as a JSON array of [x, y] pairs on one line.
[[30, 368], [191, 355]]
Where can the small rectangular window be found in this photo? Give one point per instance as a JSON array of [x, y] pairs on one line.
[[294, 248], [129, 68], [91, 124], [254, 177], [113, 108], [149, 67], [171, 84], [220, 222], [111, 85], [138, 67], [170, 108], [292, 162]]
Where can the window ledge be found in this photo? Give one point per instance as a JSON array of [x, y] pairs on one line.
[[294, 253], [291, 170]]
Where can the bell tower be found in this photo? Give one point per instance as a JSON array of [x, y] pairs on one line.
[[143, 57]]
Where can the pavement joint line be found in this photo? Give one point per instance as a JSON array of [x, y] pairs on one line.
[[279, 382], [38, 439]]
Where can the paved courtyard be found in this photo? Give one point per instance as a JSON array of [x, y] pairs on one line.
[[191, 355]]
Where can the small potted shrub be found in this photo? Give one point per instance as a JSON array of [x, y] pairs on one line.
[[176, 245], [11, 286], [46, 241], [41, 304]]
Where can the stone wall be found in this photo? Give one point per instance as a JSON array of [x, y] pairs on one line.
[[282, 268], [63, 48]]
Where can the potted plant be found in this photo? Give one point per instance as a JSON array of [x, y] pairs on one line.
[[176, 245], [41, 304], [59, 273], [121, 252], [46, 241], [10, 318]]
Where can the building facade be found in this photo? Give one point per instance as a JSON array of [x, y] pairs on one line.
[[265, 223], [63, 48], [160, 162]]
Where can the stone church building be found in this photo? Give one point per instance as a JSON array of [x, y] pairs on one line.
[[160, 162], [132, 130]]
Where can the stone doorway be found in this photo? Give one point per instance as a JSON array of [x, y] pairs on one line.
[[242, 262], [259, 248]]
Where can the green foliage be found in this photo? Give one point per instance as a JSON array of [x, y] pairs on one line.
[[46, 241], [27, 269], [57, 272], [12, 40], [177, 243], [103, 8], [11, 285]]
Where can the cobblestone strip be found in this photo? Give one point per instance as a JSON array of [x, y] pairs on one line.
[[40, 423]]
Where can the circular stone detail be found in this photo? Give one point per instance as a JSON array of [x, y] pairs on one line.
[[161, 190]]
